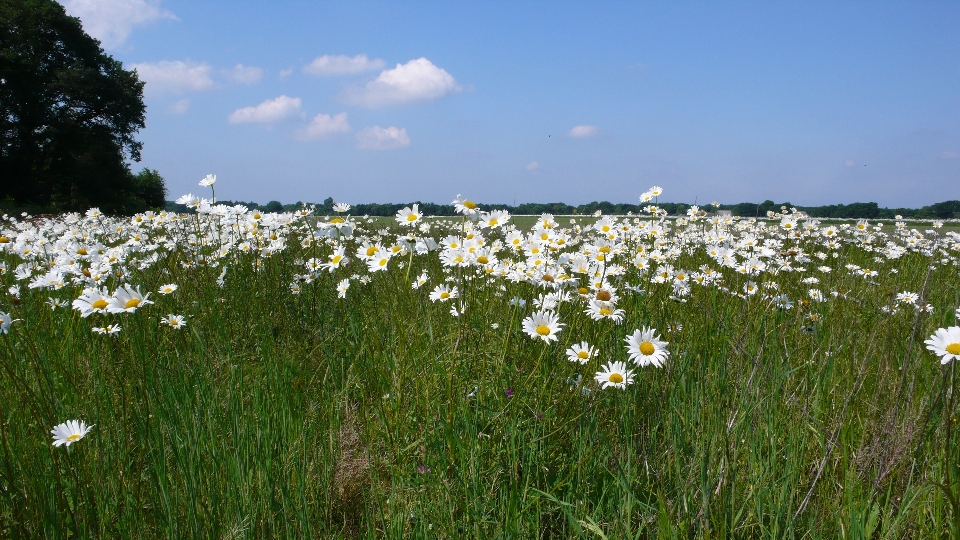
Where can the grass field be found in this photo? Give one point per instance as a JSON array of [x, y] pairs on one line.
[[313, 389]]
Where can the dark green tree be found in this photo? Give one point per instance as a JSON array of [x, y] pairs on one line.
[[149, 187], [68, 114]]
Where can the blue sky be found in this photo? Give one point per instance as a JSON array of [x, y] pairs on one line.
[[812, 103]]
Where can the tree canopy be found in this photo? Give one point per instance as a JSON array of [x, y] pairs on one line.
[[68, 116]]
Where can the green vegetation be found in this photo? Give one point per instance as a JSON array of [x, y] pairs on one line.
[[282, 410]]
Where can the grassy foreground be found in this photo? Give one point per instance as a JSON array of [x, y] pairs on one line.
[[282, 410]]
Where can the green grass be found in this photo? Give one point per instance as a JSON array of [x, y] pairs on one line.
[[381, 415]]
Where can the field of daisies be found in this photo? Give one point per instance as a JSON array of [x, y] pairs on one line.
[[226, 373]]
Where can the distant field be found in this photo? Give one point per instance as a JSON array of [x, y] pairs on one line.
[[284, 379]]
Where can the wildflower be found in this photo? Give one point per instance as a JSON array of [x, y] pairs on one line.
[[6, 322], [816, 295], [110, 330], [907, 298], [92, 301], [598, 310], [408, 216], [581, 352], [55, 303], [420, 282], [70, 432], [945, 343], [442, 293], [614, 375], [208, 180], [167, 289], [126, 299], [341, 207], [544, 325], [173, 321], [645, 348], [342, 288]]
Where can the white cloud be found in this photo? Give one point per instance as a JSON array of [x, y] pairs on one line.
[[179, 107], [417, 80], [533, 165], [174, 76], [243, 74], [849, 163], [947, 154], [324, 125], [378, 138], [284, 73], [111, 21], [268, 112], [581, 132], [331, 66]]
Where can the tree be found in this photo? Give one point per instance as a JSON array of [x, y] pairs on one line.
[[149, 187], [68, 114]]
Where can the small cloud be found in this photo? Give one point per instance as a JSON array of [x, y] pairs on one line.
[[179, 107], [112, 21], [334, 65], [324, 125], [849, 163], [284, 73], [532, 166], [417, 80], [581, 132], [174, 76], [268, 112], [243, 74], [948, 154], [378, 138]]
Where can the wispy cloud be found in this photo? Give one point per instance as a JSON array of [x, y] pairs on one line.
[[270, 111], [243, 74], [582, 132], [324, 125], [378, 138], [174, 76], [111, 21], [532, 166], [336, 65], [179, 107], [417, 80]]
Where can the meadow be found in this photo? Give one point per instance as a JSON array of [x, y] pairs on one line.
[[252, 375]]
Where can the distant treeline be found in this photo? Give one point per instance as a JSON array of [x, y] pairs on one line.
[[941, 210]]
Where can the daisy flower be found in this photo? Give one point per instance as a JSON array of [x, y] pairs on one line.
[[581, 353], [127, 299], [645, 347], [208, 180], [168, 288], [409, 216], [945, 343], [614, 375], [341, 207], [598, 310], [6, 322], [173, 321], [70, 432], [92, 301], [544, 325], [110, 330], [442, 293], [342, 288]]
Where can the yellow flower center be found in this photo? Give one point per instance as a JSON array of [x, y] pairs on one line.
[[953, 348], [493, 222], [543, 330], [605, 249], [583, 354], [603, 296], [81, 251], [548, 277], [132, 303], [470, 204], [336, 220], [383, 262], [4, 240], [482, 259], [371, 251], [73, 438], [411, 217], [647, 348], [582, 290], [616, 378], [336, 258], [100, 303], [444, 295], [605, 312]]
